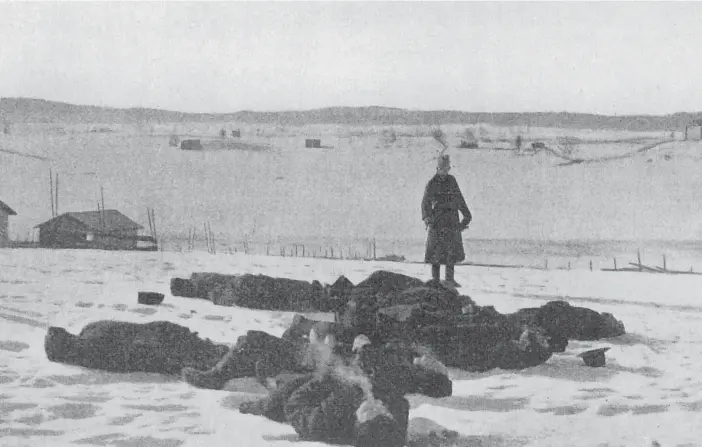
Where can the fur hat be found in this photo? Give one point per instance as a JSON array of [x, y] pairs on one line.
[[432, 364], [444, 161], [359, 342], [370, 409]]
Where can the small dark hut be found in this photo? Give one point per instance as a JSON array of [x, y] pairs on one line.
[[191, 145], [538, 145], [311, 142], [236, 133], [694, 130], [468, 144], [5, 212], [103, 230]]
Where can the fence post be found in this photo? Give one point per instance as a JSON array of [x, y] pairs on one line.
[[615, 264], [590, 264], [638, 256]]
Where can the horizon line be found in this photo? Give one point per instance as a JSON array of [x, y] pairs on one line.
[[627, 115]]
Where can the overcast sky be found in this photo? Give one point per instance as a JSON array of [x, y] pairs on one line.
[[599, 57]]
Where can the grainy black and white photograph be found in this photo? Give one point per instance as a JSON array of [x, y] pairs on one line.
[[368, 224]]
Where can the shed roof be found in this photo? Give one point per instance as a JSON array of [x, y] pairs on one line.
[[91, 220], [7, 209]]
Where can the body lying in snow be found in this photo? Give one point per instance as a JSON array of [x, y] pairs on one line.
[[571, 322], [261, 355], [168, 348], [469, 346], [256, 354], [120, 346], [324, 408], [360, 403]]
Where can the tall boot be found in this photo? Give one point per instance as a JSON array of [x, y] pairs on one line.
[[450, 280], [235, 364], [435, 276]]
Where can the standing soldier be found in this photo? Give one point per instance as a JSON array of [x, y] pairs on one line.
[[440, 206], [518, 144]]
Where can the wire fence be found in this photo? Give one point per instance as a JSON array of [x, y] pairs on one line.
[[654, 257]]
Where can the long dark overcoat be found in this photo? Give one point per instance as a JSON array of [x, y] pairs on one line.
[[441, 203]]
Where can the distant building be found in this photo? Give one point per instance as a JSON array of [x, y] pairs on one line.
[[694, 131], [5, 213], [106, 230], [313, 142], [191, 145]]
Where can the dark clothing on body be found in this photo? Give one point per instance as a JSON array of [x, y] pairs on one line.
[[322, 408], [441, 203]]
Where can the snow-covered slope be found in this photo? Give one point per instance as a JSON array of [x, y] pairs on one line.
[[357, 189]]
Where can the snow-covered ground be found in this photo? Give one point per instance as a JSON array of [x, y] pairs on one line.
[[357, 190], [651, 388]]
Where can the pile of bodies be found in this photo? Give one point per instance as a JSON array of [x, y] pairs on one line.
[[391, 306], [342, 381], [326, 391]]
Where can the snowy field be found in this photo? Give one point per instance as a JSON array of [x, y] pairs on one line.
[[650, 389], [360, 188]]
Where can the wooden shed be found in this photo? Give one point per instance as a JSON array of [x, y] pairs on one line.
[[312, 142], [5, 213], [693, 131], [191, 145], [104, 230]]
